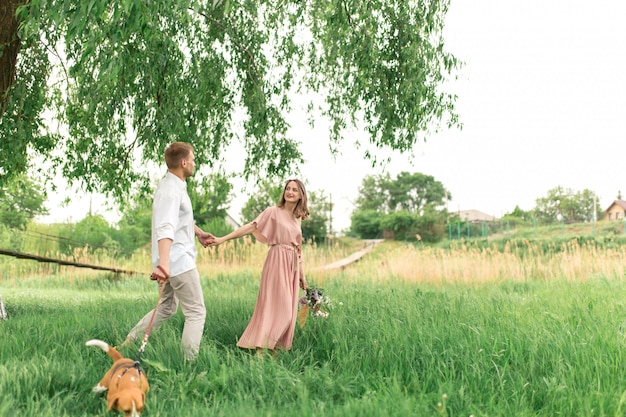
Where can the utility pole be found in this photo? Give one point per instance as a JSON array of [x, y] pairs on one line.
[[330, 214], [595, 215]]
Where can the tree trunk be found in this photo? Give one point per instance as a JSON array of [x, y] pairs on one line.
[[3, 312], [9, 47]]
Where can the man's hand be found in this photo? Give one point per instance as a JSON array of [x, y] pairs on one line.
[[160, 274], [205, 238]]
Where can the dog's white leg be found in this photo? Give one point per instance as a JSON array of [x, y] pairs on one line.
[[134, 413], [99, 388]]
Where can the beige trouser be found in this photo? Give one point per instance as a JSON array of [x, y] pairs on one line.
[[186, 290]]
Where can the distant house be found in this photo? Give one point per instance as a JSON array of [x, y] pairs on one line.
[[616, 211], [231, 222], [475, 216]]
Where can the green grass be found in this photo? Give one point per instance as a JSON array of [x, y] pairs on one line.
[[388, 349]]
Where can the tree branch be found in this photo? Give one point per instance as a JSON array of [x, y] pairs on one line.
[[246, 51]]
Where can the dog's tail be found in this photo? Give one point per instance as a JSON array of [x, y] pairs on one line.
[[110, 350]]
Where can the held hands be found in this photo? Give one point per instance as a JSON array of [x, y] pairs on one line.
[[205, 238], [303, 283], [216, 241]]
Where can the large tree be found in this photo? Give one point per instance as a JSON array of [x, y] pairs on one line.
[[374, 193], [9, 47], [408, 205], [407, 192], [125, 78], [414, 192]]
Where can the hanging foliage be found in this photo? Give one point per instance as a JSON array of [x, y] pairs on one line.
[[101, 87]]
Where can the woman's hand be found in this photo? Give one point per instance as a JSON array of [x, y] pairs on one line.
[[216, 241], [303, 284], [244, 230]]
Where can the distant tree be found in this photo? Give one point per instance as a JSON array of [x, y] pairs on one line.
[[315, 228], [414, 192], [587, 202], [92, 232], [518, 212], [374, 193], [366, 224], [552, 207], [21, 200], [403, 200], [135, 226], [518, 217], [402, 223], [564, 204], [218, 226], [267, 195], [410, 192], [210, 197], [431, 225]]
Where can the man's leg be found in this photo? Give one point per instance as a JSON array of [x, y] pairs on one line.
[[166, 309], [189, 293]]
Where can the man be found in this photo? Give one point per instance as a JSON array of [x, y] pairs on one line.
[[174, 252]]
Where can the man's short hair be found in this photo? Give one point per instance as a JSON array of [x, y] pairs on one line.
[[176, 152]]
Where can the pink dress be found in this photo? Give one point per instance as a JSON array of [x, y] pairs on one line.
[[273, 321]]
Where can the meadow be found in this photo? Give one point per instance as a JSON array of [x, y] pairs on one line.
[[466, 330]]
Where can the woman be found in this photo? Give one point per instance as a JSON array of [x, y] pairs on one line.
[[273, 321]]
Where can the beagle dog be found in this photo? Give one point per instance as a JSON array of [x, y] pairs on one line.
[[126, 382]]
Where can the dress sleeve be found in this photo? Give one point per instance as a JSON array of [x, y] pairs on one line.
[[264, 225]]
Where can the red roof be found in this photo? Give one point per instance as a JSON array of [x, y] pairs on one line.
[[620, 203]]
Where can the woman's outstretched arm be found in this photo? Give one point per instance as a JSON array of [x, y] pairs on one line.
[[244, 230]]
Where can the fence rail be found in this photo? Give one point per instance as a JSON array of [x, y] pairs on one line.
[[22, 255]]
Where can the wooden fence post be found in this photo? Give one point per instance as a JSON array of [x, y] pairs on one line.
[[3, 312]]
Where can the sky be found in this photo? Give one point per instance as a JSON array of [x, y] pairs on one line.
[[542, 100]]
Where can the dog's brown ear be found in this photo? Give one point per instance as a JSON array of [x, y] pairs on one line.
[[143, 403], [113, 403]]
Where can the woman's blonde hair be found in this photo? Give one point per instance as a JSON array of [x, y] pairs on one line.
[[301, 210]]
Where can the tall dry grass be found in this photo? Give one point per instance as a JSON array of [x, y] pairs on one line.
[[468, 264], [243, 256], [462, 263]]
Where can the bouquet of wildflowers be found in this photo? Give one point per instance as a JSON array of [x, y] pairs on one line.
[[313, 302]]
